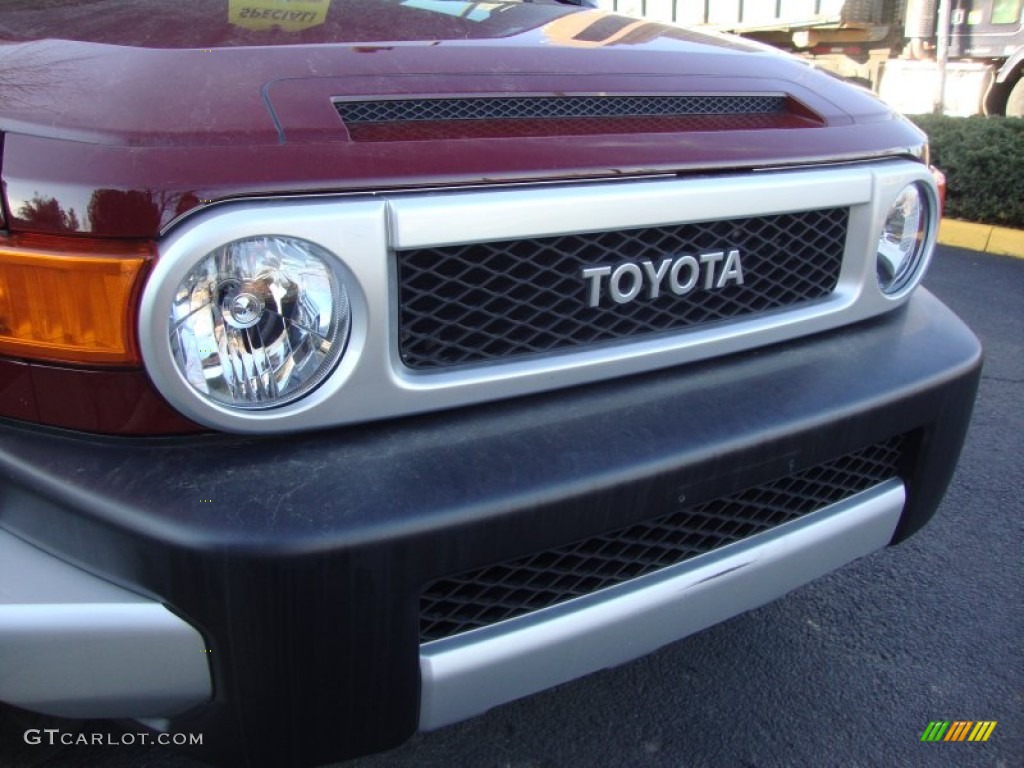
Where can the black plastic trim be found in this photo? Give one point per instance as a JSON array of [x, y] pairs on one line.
[[301, 558]]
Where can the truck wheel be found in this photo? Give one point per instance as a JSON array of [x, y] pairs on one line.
[[1015, 101]]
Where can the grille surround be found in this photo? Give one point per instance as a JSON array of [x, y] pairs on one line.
[[475, 303], [371, 111], [516, 587], [366, 230]]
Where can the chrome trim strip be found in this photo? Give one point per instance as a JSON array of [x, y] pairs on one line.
[[372, 383], [468, 674], [74, 645]]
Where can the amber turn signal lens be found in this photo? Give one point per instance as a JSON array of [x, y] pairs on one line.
[[70, 299]]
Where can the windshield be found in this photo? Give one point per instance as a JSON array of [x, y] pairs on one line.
[[221, 23]]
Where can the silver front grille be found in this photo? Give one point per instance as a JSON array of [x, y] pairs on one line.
[[829, 217]]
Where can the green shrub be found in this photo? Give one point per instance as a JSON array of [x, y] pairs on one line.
[[983, 158]]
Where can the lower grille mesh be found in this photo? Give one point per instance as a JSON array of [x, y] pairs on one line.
[[516, 587]]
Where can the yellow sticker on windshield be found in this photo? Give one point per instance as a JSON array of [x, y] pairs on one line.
[[286, 15]]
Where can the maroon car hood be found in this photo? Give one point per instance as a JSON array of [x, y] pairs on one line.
[[162, 106]]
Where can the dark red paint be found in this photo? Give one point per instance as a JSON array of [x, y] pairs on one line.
[[197, 114], [109, 401]]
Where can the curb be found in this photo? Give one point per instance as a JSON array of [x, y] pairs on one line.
[[982, 237]]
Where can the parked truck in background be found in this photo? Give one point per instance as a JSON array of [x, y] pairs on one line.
[[893, 46]]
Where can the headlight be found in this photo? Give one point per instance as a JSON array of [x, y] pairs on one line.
[[902, 242], [259, 322]]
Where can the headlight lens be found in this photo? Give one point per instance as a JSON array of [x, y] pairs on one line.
[[259, 322], [901, 245]]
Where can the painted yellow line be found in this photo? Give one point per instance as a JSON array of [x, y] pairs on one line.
[[1009, 242], [982, 237]]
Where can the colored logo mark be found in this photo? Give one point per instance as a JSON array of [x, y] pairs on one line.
[[958, 730]]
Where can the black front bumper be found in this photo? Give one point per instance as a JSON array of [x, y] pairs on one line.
[[302, 559]]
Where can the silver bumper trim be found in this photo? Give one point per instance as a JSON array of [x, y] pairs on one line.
[[468, 674], [74, 645]]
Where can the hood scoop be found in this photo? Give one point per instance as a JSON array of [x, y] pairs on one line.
[[497, 116]]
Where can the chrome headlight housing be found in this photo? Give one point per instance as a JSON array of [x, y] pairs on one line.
[[259, 322], [903, 241]]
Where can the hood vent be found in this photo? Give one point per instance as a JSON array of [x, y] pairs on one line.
[[554, 107], [510, 116]]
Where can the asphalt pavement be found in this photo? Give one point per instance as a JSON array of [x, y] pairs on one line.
[[846, 671]]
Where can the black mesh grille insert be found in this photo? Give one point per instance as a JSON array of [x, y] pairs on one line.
[[490, 301], [533, 107], [516, 587]]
